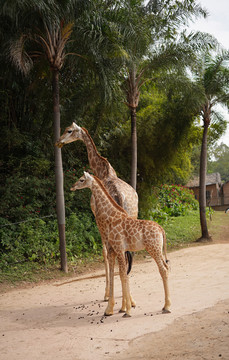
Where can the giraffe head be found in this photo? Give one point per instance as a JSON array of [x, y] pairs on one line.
[[71, 133], [85, 181]]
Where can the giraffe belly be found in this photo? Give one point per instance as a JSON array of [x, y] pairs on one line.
[[144, 240], [135, 247], [134, 243]]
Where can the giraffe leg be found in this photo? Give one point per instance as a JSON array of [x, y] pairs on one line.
[[126, 297], [163, 269], [110, 306], [133, 302], [106, 296], [123, 308], [157, 255]]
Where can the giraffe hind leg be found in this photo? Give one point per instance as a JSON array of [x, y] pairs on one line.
[[163, 268]]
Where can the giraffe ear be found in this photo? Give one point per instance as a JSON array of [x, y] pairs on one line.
[[76, 127]]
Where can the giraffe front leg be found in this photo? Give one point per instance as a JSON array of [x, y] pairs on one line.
[[110, 306], [126, 297], [106, 296]]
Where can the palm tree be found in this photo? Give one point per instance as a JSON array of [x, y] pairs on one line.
[[44, 32], [213, 78], [151, 45]]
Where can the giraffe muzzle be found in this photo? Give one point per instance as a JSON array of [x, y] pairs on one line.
[[59, 144]]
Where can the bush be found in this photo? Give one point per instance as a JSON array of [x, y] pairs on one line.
[[172, 201], [32, 240], [82, 236], [37, 240], [23, 197]]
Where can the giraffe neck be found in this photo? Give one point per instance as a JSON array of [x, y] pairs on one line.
[[99, 165], [106, 207]]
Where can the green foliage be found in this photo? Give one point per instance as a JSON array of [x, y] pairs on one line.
[[171, 201], [165, 136], [36, 240], [219, 161], [83, 238], [27, 188], [32, 196], [33, 240]]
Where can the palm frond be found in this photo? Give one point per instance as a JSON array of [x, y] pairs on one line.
[[19, 55]]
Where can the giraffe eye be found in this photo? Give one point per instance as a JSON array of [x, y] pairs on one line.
[[69, 131], [81, 180]]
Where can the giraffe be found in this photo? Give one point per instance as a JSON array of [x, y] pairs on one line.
[[121, 233], [118, 189]]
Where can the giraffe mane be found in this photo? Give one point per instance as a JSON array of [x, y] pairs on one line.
[[118, 207], [93, 144], [105, 161]]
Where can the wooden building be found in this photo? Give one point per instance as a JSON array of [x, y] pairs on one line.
[[217, 193]]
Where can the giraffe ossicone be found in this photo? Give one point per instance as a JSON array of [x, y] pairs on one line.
[[87, 175], [76, 127], [120, 232]]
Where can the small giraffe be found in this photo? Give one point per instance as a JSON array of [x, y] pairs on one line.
[[119, 190], [122, 233]]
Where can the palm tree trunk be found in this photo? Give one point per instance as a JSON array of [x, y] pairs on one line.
[[133, 149], [60, 207], [202, 186]]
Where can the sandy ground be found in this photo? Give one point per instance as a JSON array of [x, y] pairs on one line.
[[64, 320]]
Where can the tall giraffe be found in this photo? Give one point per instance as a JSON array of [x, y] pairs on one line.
[[121, 233], [118, 189]]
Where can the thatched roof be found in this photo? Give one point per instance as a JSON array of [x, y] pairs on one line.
[[214, 178]]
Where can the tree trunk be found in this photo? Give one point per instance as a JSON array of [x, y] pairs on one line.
[[202, 185], [60, 207], [133, 149]]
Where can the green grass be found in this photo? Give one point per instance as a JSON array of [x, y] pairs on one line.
[[32, 272], [29, 272], [218, 226], [182, 230]]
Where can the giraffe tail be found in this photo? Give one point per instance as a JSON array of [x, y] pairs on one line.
[[168, 264], [129, 260]]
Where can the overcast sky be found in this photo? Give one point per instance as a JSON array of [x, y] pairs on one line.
[[217, 24]]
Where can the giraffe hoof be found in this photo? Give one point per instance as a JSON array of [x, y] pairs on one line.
[[106, 298], [110, 314], [122, 311], [126, 315], [166, 311]]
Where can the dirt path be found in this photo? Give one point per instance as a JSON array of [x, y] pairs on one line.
[[64, 320]]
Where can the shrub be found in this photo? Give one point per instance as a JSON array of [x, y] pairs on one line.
[[172, 201], [37, 240], [82, 236], [32, 240]]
